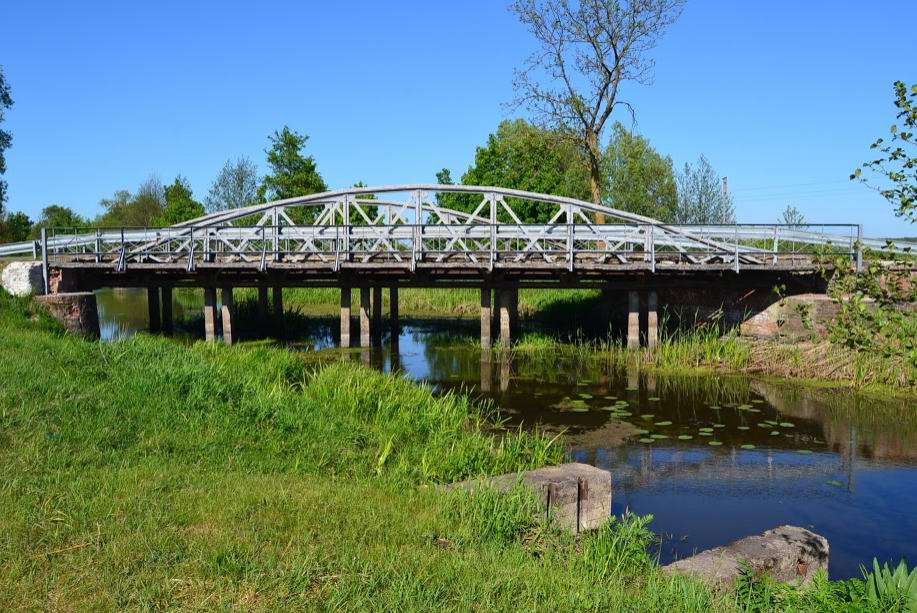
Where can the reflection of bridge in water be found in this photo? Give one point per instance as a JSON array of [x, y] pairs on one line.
[[406, 236]]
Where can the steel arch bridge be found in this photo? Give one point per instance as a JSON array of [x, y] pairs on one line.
[[407, 228]]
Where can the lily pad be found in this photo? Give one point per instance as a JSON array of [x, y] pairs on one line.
[[764, 425], [611, 397], [719, 425], [646, 416], [646, 440], [580, 409], [753, 410], [715, 407], [743, 427], [643, 431], [659, 436], [685, 437], [654, 399], [714, 443], [775, 432], [585, 396], [705, 433], [804, 451], [757, 401], [786, 424], [663, 423], [748, 446]]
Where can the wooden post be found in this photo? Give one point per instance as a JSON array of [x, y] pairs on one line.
[[277, 295], [393, 313], [168, 322], [376, 328], [262, 307], [486, 319], [345, 317], [652, 320], [364, 317], [210, 304], [227, 312], [505, 318], [633, 320], [152, 301]]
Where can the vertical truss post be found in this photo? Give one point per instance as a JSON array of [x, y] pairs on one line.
[[859, 256], [98, 246], [570, 237], [45, 273], [652, 239], [418, 215], [493, 229], [737, 249], [776, 242], [346, 221]]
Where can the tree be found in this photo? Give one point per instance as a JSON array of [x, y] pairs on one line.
[[637, 178], [6, 139], [587, 49], [139, 210], [792, 216], [180, 203], [292, 173], [236, 186], [15, 227], [60, 217], [897, 162], [525, 157], [701, 197]]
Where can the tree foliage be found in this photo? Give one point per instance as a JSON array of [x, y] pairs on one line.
[[701, 197], [637, 178], [522, 156], [896, 161], [180, 204], [60, 217], [15, 227], [235, 186], [586, 50], [6, 139], [792, 216], [140, 210], [292, 173]]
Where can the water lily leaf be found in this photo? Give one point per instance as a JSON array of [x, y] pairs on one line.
[[659, 436], [749, 446], [646, 416], [685, 437], [585, 396], [654, 399], [705, 433], [646, 440], [775, 432], [804, 451], [743, 427], [786, 424], [744, 407], [714, 443], [663, 423]]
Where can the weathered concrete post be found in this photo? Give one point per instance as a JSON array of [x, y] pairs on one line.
[[345, 317], [633, 320], [168, 322], [486, 318], [393, 314], [152, 302], [652, 320], [279, 325], [76, 311], [505, 318], [376, 327], [210, 315], [227, 313], [262, 307], [364, 318]]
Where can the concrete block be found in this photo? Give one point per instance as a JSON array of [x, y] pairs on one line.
[[75, 311], [23, 279], [789, 554], [578, 496]]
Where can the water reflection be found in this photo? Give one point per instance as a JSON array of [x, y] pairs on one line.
[[713, 458]]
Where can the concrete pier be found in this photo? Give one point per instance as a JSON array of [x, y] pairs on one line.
[[152, 301], [345, 317], [168, 321], [76, 311], [486, 319], [279, 324], [210, 314], [394, 322], [652, 320], [506, 317], [365, 337], [376, 326], [633, 320], [227, 314]]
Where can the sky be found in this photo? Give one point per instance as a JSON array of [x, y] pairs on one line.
[[783, 98]]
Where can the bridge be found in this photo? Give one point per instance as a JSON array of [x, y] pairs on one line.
[[423, 235]]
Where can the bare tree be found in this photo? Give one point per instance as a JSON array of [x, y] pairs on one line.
[[587, 48], [702, 197], [236, 186]]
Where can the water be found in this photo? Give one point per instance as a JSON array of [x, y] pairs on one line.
[[722, 457]]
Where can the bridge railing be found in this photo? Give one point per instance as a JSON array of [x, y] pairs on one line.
[[480, 245]]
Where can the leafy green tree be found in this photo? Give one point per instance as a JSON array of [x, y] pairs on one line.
[[792, 216], [701, 197], [15, 227], [236, 186], [525, 157], [897, 162], [637, 178], [60, 217], [292, 173], [180, 204], [6, 139], [139, 210]]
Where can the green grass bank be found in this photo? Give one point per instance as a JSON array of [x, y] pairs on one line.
[[147, 474]]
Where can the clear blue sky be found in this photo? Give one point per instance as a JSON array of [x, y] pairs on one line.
[[782, 97]]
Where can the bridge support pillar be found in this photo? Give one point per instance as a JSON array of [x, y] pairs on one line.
[[210, 315], [262, 308], [168, 322], [345, 317], [227, 313], [376, 327], [652, 320], [394, 322], [506, 317], [152, 301], [279, 327], [364, 318], [486, 319], [633, 320]]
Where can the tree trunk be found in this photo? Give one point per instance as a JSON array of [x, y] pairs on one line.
[[595, 172]]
